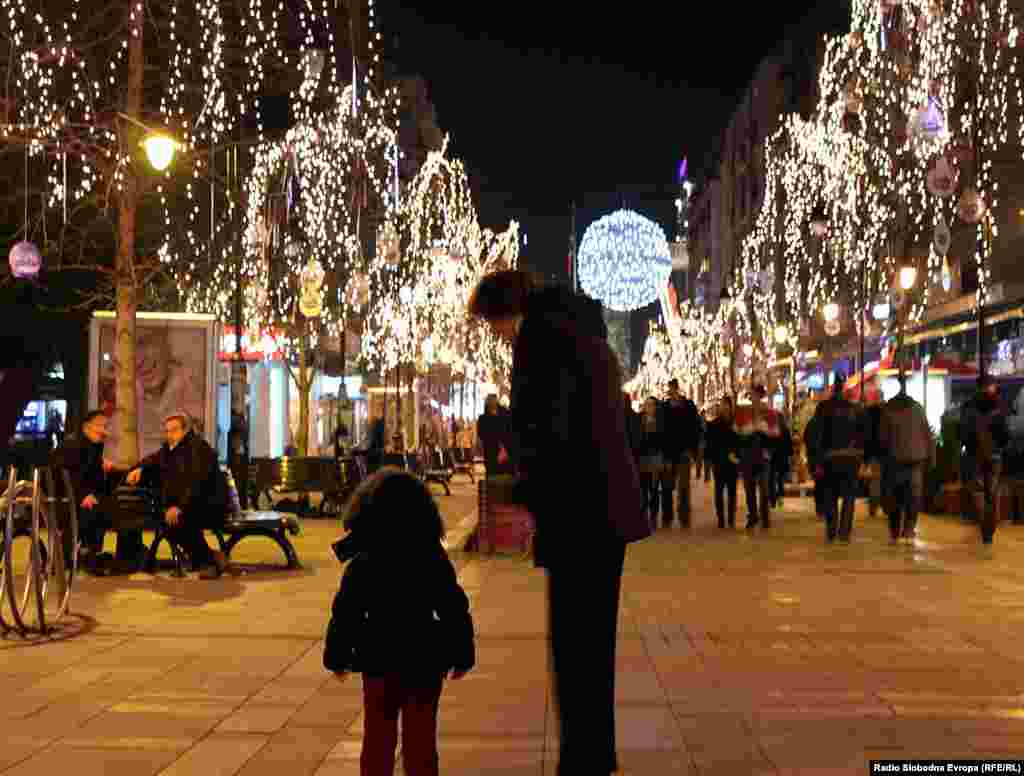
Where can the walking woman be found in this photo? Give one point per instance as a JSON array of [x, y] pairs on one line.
[[651, 461]]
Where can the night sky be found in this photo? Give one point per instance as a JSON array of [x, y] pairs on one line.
[[554, 101]]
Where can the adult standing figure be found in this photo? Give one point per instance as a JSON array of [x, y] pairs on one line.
[[493, 429], [682, 444], [839, 452], [757, 428], [874, 449], [656, 470], [814, 463], [722, 456], [782, 456], [905, 440], [578, 479], [985, 436]]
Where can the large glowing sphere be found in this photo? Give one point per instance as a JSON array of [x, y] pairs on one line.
[[624, 261]]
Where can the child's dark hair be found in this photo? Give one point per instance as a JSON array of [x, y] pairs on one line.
[[391, 508]]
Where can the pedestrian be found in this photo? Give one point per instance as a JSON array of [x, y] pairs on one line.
[[578, 479], [708, 467], [811, 436], [905, 441], [839, 452], [493, 429], [722, 449], [656, 471], [404, 639], [874, 451], [632, 425], [782, 455], [985, 435], [757, 427], [682, 444]]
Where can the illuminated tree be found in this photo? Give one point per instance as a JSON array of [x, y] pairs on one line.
[[83, 86]]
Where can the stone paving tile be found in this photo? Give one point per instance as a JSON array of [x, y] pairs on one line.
[[216, 755], [95, 762], [738, 654]]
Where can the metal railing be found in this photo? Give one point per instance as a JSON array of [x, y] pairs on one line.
[[35, 586]]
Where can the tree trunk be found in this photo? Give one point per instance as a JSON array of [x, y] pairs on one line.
[[127, 302], [304, 383]]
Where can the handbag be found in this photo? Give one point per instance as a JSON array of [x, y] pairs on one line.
[[869, 471]]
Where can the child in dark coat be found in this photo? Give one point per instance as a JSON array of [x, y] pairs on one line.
[[403, 638]]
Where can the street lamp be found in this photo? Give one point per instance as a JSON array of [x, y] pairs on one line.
[[160, 150], [908, 276]]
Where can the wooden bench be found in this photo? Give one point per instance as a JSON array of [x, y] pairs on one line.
[[461, 463], [304, 476], [141, 508]]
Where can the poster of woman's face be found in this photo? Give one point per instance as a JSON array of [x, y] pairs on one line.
[[171, 376]]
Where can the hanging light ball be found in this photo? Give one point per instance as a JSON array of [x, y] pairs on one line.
[[830, 312], [781, 334], [312, 281], [624, 261], [25, 260], [971, 207]]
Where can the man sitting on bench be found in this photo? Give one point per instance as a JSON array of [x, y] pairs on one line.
[[92, 478], [192, 487]]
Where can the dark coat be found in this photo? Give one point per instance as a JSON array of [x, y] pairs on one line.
[[633, 433], [188, 476], [653, 445], [984, 430], [84, 462], [722, 441], [379, 627], [493, 431], [840, 432], [682, 429], [576, 472]]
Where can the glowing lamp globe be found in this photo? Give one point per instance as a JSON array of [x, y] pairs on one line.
[[781, 334], [881, 311], [624, 261], [25, 260], [723, 361], [160, 151], [908, 276], [831, 312], [748, 350]]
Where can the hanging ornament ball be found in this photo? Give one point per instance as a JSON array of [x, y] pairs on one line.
[[942, 238], [941, 178], [856, 39], [971, 207], [312, 280], [832, 328], [25, 260], [854, 102], [929, 122], [361, 288]]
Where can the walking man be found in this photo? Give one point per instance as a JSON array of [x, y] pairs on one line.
[[985, 436], [682, 435], [721, 456], [905, 443], [839, 452]]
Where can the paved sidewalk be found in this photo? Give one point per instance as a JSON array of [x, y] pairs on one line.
[[761, 653]]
